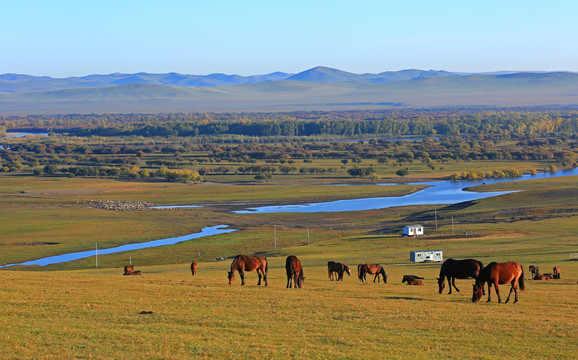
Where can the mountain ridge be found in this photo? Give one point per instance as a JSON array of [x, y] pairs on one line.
[[496, 91], [11, 82]]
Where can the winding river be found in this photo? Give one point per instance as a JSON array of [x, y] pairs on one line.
[[208, 231], [437, 193]]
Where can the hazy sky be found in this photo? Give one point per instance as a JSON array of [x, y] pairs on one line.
[[62, 38]]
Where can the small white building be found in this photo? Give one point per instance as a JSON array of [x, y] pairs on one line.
[[413, 230], [426, 255]]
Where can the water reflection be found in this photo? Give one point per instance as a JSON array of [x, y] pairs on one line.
[[437, 192]]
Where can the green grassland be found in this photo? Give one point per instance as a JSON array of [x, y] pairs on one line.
[[79, 311]]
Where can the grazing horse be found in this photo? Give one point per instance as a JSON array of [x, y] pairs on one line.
[[129, 270], [412, 280], [244, 263], [556, 272], [337, 268], [373, 269], [294, 272], [535, 270], [194, 267], [458, 269], [499, 273]]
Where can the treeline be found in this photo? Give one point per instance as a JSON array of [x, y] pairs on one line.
[[298, 124]]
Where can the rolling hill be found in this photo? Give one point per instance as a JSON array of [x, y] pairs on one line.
[[315, 89]]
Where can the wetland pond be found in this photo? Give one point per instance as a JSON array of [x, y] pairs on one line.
[[437, 193]]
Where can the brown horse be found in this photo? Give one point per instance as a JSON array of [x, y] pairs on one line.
[[412, 280], [458, 269], [244, 263], [499, 273], [373, 269], [194, 268], [543, 277], [294, 272], [556, 272], [337, 269]]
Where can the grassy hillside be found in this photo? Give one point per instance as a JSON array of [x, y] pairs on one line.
[[550, 89]]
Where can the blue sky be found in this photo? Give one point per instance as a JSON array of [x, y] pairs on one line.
[[63, 38]]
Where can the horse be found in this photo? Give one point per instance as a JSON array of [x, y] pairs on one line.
[[244, 263], [458, 269], [338, 269], [129, 270], [294, 272], [499, 273], [330, 265], [556, 272], [412, 280], [535, 270], [194, 268], [373, 269], [543, 277]]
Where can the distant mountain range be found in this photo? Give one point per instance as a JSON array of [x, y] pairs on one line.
[[320, 88]]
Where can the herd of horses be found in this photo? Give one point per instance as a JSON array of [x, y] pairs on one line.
[[494, 274], [535, 270]]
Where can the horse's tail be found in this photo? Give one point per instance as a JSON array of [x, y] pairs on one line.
[[266, 266], [521, 280]]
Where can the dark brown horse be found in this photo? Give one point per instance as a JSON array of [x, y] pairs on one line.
[[294, 272], [337, 269], [556, 271], [244, 263], [373, 269], [194, 268], [412, 280], [499, 273], [458, 269], [535, 270]]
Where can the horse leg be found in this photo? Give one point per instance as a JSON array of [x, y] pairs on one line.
[[288, 281], [449, 283], [454, 284], [512, 289], [489, 291], [497, 291], [295, 278], [242, 275]]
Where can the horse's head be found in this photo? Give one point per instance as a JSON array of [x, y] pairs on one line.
[[346, 269], [478, 292], [231, 275], [441, 284]]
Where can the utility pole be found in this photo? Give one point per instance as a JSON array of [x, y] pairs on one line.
[[308, 241], [96, 254], [453, 232], [436, 216], [274, 237]]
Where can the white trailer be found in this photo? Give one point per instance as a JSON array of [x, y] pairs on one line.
[[426, 255], [413, 230]]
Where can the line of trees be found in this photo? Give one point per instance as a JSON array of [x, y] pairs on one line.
[[345, 124]]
